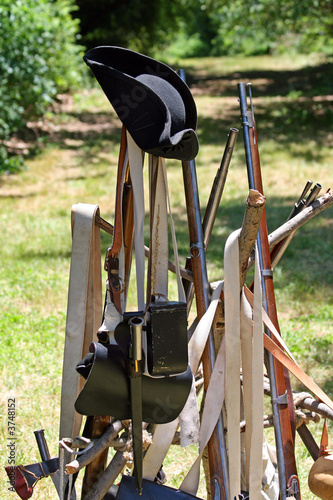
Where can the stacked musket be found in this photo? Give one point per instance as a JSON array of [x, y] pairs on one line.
[[145, 368]]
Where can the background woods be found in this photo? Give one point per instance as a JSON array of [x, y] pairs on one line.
[[42, 42]]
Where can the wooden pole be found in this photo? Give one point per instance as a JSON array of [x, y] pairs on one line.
[[99, 446]]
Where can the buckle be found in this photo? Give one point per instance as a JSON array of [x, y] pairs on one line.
[[111, 265], [107, 258]]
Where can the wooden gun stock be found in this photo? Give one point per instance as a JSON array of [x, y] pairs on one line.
[[282, 400]]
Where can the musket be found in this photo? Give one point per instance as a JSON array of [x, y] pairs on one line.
[[213, 205], [216, 444], [282, 400]]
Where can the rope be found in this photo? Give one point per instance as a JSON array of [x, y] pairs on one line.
[[300, 416], [127, 450], [305, 418]]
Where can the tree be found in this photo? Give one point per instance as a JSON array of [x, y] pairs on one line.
[[39, 57], [135, 24], [208, 27], [258, 26]]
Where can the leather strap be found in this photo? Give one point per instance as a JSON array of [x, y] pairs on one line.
[[25, 477], [112, 257], [19, 482], [267, 321], [324, 450], [84, 310], [118, 227], [289, 363]]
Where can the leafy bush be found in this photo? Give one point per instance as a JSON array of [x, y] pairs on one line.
[[221, 27], [39, 57]]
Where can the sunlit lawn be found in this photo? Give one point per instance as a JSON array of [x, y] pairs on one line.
[[78, 164]]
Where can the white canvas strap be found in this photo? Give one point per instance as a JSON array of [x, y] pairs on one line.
[[212, 409], [244, 351], [135, 158], [161, 201], [233, 360], [157, 282], [215, 392], [160, 208], [84, 309], [181, 292], [159, 241], [254, 449]]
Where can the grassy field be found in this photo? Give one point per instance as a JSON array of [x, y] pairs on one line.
[[293, 107]]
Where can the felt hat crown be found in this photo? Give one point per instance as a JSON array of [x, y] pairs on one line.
[[152, 101]]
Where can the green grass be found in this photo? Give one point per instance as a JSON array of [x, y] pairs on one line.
[[78, 164]]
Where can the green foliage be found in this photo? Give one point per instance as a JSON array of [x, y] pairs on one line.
[[266, 26], [254, 27], [135, 24], [38, 58]]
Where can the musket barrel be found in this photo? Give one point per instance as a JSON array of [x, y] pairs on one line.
[[216, 445], [280, 385], [218, 187]]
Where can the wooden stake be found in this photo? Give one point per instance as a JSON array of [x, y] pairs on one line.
[[104, 483], [254, 208], [100, 445]]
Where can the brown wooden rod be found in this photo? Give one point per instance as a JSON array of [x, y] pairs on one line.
[[218, 187], [290, 226], [250, 226], [96, 467], [254, 209], [309, 441], [100, 445], [279, 249], [104, 483]]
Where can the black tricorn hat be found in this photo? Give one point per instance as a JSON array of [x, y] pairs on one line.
[[152, 101]]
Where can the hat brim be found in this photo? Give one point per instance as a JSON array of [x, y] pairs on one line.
[[140, 109]]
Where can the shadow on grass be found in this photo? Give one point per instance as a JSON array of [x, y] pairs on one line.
[[298, 108], [287, 122], [308, 81], [88, 131]]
